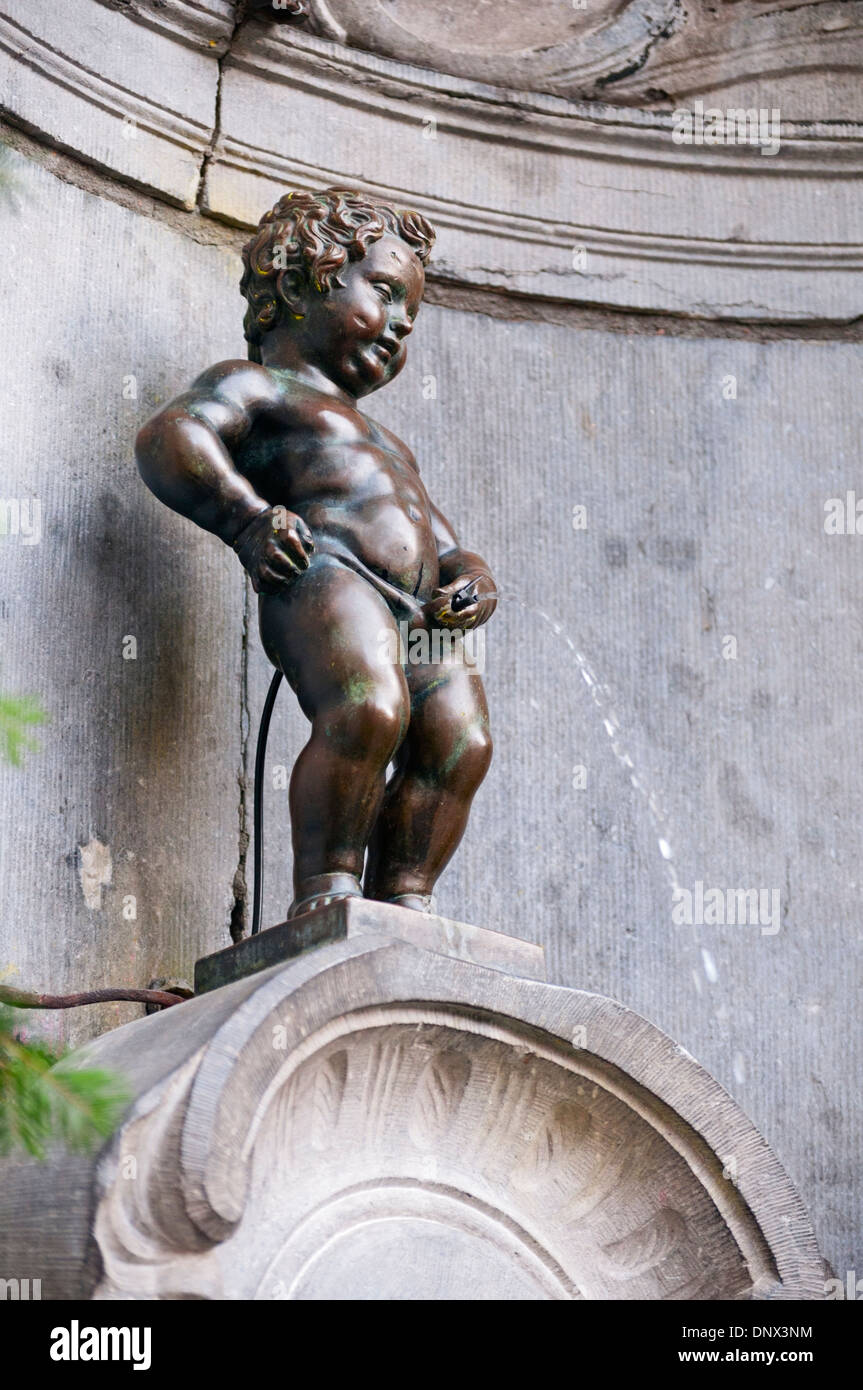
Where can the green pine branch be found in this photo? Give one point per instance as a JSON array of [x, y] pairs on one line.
[[43, 1099]]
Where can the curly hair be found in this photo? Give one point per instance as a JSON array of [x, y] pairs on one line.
[[314, 235]]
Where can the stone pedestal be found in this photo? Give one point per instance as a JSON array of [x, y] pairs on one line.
[[393, 1113]]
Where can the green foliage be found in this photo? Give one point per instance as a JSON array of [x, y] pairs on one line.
[[17, 715], [41, 1099]]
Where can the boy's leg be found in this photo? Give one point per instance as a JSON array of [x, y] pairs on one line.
[[328, 633], [444, 757]]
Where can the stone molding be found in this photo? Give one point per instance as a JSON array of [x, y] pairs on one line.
[[704, 231], [541, 47], [134, 99], [204, 24], [571, 202]]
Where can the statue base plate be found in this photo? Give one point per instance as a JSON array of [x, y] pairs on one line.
[[351, 917]]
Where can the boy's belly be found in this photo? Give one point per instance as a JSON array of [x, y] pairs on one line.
[[390, 538]]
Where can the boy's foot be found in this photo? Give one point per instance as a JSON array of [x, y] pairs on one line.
[[323, 890], [419, 902]]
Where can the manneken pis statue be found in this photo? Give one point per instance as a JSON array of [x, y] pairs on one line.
[[327, 512]]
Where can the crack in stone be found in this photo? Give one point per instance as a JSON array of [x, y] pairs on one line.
[[656, 36], [239, 884], [210, 152]]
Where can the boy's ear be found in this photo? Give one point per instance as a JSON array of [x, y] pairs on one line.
[[293, 291]]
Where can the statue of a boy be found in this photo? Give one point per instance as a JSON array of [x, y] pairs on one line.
[[328, 514]]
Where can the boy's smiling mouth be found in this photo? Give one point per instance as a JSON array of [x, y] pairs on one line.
[[382, 355], [375, 362]]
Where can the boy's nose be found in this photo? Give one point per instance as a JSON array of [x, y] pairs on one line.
[[400, 324]]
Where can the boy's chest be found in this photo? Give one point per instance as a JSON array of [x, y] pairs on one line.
[[335, 454]]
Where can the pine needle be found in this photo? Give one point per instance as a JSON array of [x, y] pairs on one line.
[[42, 1098]]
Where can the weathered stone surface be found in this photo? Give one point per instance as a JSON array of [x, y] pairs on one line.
[[351, 917], [777, 54], [374, 1121], [120, 837], [592, 203], [132, 90], [589, 204]]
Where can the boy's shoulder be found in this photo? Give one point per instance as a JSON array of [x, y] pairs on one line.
[[236, 376], [250, 383], [255, 390]]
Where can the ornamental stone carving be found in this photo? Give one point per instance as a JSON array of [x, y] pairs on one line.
[[376, 1120]]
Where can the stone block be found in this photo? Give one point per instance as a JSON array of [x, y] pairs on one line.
[[352, 917]]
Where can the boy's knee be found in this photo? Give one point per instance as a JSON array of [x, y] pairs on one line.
[[478, 750], [368, 722], [465, 757]]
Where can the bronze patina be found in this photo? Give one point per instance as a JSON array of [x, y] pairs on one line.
[[328, 513]]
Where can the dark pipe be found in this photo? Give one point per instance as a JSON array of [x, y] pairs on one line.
[[260, 755]]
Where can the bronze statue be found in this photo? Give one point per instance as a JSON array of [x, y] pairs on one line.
[[329, 516]]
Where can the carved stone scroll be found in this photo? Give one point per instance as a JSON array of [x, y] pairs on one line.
[[373, 1120]]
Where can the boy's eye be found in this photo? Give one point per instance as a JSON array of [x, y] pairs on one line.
[[383, 289]]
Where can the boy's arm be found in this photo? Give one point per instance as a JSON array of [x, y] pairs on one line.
[[454, 561], [184, 456], [459, 569]]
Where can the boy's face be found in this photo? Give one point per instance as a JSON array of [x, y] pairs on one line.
[[356, 331]]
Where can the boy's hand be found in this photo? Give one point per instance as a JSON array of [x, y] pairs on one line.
[[275, 548], [438, 609]]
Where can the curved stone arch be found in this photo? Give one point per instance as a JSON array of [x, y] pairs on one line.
[[342, 1216], [592, 43], [536, 192]]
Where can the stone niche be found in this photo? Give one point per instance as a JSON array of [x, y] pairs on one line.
[[379, 1120]]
